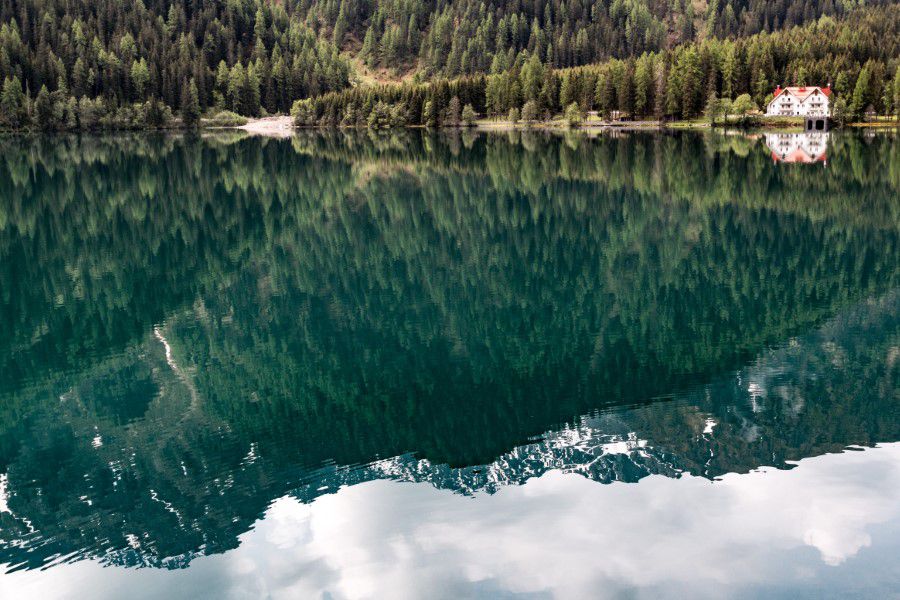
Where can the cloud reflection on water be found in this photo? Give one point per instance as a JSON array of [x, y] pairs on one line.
[[559, 535]]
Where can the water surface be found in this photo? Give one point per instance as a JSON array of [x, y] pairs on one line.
[[420, 364]]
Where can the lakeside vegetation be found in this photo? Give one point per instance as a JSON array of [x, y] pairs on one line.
[[79, 65], [713, 77], [87, 64]]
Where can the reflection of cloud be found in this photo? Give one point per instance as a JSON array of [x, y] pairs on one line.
[[4, 495], [559, 534]]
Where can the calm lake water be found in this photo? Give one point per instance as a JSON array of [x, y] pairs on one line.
[[349, 365]]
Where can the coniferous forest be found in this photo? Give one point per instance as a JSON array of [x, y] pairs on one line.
[[94, 63], [85, 64], [857, 55]]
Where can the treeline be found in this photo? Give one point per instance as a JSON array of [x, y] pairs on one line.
[[436, 104], [858, 55], [99, 62], [463, 37], [81, 64]]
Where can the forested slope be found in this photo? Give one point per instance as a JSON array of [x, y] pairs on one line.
[[456, 37], [859, 54], [104, 63], [242, 55]]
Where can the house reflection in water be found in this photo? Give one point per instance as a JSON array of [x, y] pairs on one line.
[[809, 147]]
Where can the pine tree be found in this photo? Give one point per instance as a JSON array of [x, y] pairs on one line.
[[340, 26], [531, 77], [567, 90], [468, 115], [79, 78], [729, 71], [190, 104], [897, 93], [140, 77], [530, 111], [841, 84], [643, 86], [860, 94], [43, 108], [13, 112], [429, 114], [452, 117], [713, 108], [237, 84], [250, 94], [367, 53], [574, 116], [659, 92]]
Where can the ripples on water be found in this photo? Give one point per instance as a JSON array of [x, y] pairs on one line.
[[199, 333]]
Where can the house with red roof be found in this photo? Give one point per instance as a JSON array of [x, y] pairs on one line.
[[800, 101]]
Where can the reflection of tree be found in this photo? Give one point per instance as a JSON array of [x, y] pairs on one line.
[[176, 481], [346, 298]]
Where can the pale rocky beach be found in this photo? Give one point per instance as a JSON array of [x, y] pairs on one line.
[[277, 126]]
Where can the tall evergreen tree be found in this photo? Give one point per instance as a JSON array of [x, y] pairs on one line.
[[190, 104], [13, 111]]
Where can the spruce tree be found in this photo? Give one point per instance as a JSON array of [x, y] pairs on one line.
[[468, 115], [896, 87], [190, 105], [860, 94], [574, 116], [13, 112]]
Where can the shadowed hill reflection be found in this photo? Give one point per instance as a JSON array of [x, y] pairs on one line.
[[835, 387], [191, 328]]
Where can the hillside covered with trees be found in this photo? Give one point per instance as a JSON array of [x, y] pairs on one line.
[[467, 36], [86, 64], [859, 55]]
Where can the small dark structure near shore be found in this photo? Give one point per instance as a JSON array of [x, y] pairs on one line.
[[816, 124]]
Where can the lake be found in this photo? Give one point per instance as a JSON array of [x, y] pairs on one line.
[[456, 364]]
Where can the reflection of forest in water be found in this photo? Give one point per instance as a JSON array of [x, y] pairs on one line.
[[192, 328]]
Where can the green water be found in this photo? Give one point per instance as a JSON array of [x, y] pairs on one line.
[[198, 332]]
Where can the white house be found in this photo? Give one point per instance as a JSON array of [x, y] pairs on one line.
[[802, 101]]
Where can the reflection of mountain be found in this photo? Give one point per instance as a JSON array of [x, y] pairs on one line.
[[203, 326], [803, 399], [187, 485]]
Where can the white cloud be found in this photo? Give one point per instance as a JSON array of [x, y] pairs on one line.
[[559, 535]]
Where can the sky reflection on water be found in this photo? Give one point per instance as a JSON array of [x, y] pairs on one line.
[[827, 528]]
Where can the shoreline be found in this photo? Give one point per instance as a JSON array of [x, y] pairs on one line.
[[274, 126], [282, 126], [284, 123], [697, 125]]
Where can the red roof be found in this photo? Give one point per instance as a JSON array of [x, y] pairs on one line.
[[802, 92]]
